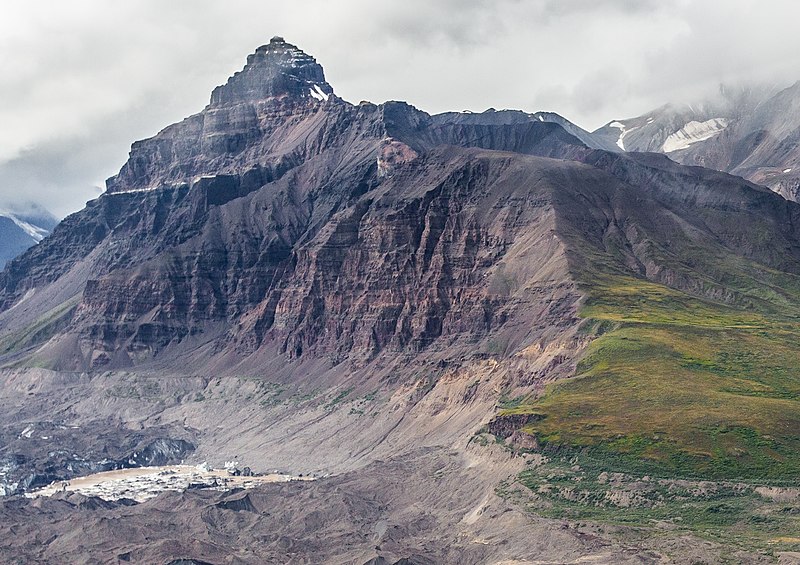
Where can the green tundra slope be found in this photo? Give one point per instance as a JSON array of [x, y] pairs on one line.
[[681, 386], [693, 299]]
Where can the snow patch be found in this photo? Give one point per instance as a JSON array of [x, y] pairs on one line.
[[172, 186], [787, 171], [36, 233], [694, 132], [317, 93], [6, 488], [27, 295], [623, 132]]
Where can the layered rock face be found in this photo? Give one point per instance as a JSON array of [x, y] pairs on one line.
[[274, 70], [283, 215], [287, 215]]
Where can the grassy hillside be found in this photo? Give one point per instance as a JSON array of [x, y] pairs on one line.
[[679, 386]]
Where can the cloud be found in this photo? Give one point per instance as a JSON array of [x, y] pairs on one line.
[[82, 80], [564, 7], [53, 175]]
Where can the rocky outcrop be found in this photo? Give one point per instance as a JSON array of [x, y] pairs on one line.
[[274, 70], [505, 425]]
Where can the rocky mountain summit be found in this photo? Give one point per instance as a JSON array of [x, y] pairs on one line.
[[274, 70], [278, 87], [308, 284]]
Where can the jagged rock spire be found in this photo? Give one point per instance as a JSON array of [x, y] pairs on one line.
[[275, 69]]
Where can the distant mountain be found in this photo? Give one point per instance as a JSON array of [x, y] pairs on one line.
[[750, 132], [18, 231], [492, 117]]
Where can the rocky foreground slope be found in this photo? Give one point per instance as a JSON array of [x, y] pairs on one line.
[[301, 283]]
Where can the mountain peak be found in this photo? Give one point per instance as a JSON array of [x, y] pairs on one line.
[[274, 70]]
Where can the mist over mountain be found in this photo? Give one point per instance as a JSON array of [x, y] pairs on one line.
[[751, 132]]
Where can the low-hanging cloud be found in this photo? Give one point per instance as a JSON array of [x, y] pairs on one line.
[[82, 80]]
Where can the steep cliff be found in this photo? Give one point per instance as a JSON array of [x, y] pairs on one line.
[[282, 213]]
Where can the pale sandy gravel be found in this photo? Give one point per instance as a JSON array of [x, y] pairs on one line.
[[143, 483]]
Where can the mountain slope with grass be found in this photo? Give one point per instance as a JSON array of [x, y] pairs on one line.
[[693, 299]]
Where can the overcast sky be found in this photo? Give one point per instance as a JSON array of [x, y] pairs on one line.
[[81, 80]]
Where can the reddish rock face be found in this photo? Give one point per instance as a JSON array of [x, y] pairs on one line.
[[288, 215], [283, 215]]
